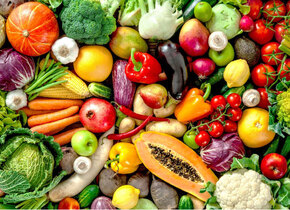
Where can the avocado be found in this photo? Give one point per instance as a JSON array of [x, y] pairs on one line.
[[248, 50]]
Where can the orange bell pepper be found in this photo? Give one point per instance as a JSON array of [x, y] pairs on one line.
[[194, 106]]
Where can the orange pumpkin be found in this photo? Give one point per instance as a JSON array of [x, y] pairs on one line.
[[32, 28]]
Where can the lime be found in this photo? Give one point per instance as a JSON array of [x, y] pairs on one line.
[[203, 11]]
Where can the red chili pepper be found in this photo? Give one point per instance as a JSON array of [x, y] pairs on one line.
[[143, 68], [130, 133], [134, 115]]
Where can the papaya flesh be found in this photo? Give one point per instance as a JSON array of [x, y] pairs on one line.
[[174, 162]]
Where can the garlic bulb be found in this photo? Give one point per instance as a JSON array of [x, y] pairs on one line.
[[16, 99], [65, 50]]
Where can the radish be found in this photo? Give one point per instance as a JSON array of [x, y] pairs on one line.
[[77, 182], [246, 23], [203, 67]]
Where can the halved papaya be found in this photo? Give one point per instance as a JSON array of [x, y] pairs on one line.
[[174, 162]]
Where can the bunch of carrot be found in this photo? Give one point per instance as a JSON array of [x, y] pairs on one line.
[[51, 116]]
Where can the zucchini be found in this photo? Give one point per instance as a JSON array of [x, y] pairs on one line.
[[88, 194], [100, 90], [224, 89], [238, 90], [189, 9], [216, 77], [185, 202]]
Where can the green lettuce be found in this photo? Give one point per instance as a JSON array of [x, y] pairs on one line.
[[27, 165]]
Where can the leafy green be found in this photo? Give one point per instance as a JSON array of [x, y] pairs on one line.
[[249, 163], [284, 193], [244, 9], [27, 163], [274, 185], [86, 21], [110, 6], [130, 13], [211, 203], [286, 148], [273, 146]]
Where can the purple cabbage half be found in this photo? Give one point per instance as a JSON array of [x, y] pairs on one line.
[[124, 89], [16, 70], [219, 153]]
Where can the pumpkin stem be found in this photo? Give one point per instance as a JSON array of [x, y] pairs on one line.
[[25, 33]]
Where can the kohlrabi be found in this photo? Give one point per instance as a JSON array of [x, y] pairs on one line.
[[159, 21]]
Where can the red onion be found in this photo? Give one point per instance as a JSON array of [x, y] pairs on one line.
[[219, 153], [203, 67], [102, 203]]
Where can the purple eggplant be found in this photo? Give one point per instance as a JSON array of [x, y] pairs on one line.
[[124, 89]]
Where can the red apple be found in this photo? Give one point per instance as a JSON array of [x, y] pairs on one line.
[[97, 115], [193, 38], [274, 166]]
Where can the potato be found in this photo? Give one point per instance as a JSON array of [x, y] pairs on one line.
[[173, 128], [133, 138], [197, 204], [6, 6], [164, 112], [139, 106], [127, 124]]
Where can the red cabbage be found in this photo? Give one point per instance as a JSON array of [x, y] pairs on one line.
[[219, 153], [124, 89], [16, 70]]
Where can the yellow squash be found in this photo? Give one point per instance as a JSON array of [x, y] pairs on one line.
[[253, 128]]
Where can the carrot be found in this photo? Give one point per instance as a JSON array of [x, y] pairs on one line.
[[54, 132], [51, 117], [59, 124], [53, 104], [65, 137], [31, 112]]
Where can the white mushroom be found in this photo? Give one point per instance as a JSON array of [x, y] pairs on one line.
[[251, 98], [217, 41], [82, 165]]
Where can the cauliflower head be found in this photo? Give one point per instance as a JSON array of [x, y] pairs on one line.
[[283, 102], [243, 189]]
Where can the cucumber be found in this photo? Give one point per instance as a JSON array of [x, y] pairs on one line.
[[100, 90], [216, 77], [224, 89], [238, 90], [88, 194], [185, 202]]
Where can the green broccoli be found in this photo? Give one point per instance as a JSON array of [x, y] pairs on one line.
[[86, 21], [283, 107]]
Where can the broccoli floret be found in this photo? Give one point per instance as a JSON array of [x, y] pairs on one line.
[[86, 21], [283, 103]]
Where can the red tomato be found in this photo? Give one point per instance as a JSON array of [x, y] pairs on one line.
[[218, 102], [264, 102], [259, 76], [216, 114], [203, 127], [216, 129], [234, 100], [202, 139], [286, 69], [236, 114], [288, 7], [230, 126], [274, 166], [255, 6], [267, 52], [280, 29], [68, 203], [274, 8], [261, 34]]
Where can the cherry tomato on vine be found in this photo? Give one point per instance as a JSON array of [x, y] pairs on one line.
[[255, 7], [259, 76], [261, 34], [216, 129], [285, 72], [288, 7], [236, 114], [280, 30], [230, 126], [269, 50], [202, 139], [69, 203], [274, 8], [218, 102], [264, 102], [203, 127], [216, 114], [234, 100]]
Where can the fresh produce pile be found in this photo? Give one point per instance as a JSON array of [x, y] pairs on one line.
[[144, 104]]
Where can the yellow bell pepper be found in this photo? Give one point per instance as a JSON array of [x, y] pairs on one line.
[[124, 158]]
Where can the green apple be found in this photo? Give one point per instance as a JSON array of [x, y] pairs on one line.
[[84, 143], [222, 58]]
